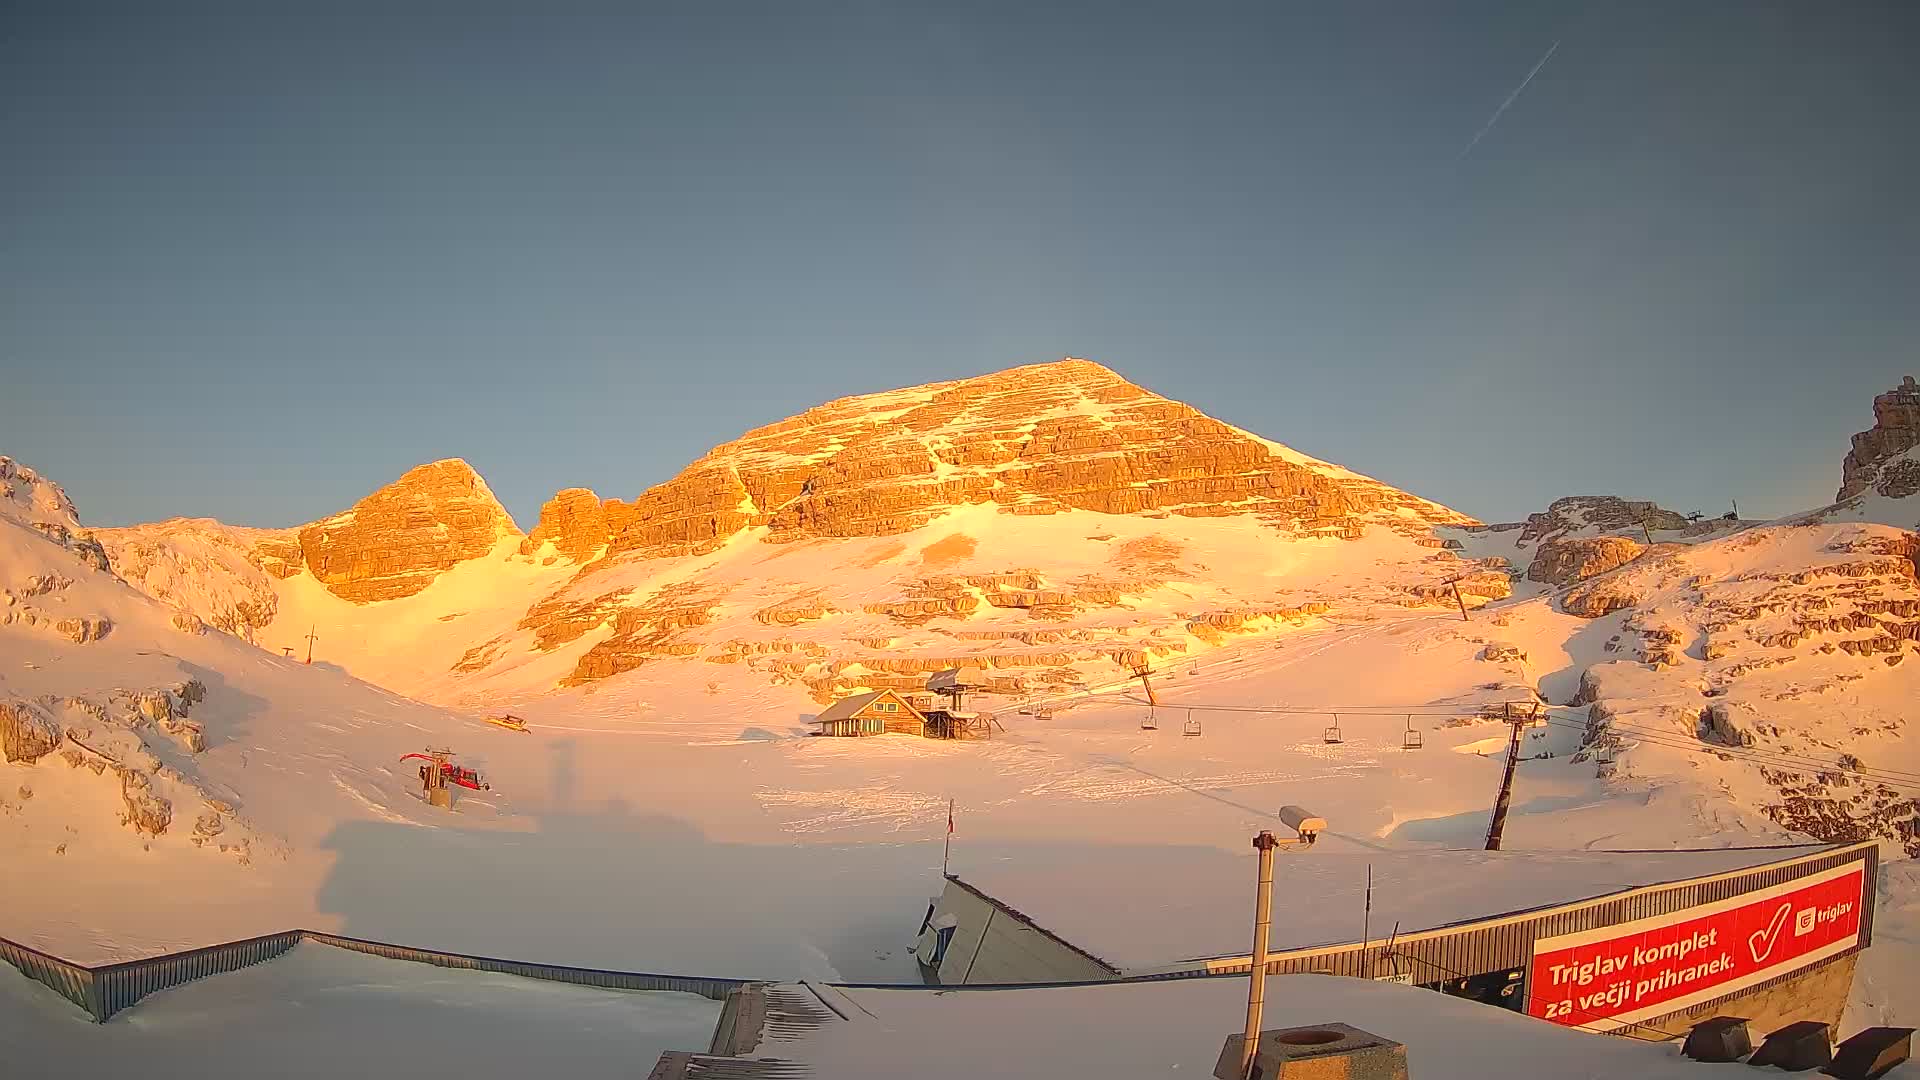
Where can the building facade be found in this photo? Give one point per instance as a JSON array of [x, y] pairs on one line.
[[883, 712]]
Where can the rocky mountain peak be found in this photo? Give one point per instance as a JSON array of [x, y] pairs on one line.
[[396, 541], [1039, 439], [43, 506], [1895, 431]]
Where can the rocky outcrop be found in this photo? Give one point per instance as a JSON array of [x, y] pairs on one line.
[[1601, 596], [221, 574], [1574, 559], [43, 506], [1602, 513], [1895, 430], [1033, 440], [148, 811], [396, 541], [81, 629], [573, 522], [27, 734], [1503, 652]]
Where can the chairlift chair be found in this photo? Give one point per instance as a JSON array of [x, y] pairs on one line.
[[1332, 734], [1603, 764], [1147, 722], [1411, 740], [1193, 726]]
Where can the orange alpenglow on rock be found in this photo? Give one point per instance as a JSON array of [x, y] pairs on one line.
[[396, 541], [1033, 440], [1895, 430]]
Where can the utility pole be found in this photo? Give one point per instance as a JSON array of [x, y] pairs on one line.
[[1455, 582], [311, 638], [1257, 978], [947, 852], [1141, 673], [1499, 823]]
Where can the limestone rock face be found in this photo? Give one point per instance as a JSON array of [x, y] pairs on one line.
[[26, 733], [1573, 559], [573, 522], [1895, 430], [396, 541], [1606, 513], [1031, 440], [148, 811], [81, 629]]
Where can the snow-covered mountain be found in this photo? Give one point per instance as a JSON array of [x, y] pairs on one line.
[[142, 747], [1743, 681], [1054, 523]]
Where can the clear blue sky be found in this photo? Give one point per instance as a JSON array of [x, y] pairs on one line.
[[253, 266]]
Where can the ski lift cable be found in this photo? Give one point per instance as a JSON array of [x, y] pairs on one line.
[[1798, 766], [1560, 716], [1678, 739]]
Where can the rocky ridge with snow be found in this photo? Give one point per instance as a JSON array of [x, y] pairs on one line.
[[1880, 459], [1030, 584]]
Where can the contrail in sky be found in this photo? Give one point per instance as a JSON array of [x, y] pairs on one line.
[[1495, 118]]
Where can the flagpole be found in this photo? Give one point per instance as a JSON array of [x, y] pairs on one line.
[[948, 850]]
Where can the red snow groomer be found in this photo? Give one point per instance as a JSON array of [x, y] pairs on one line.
[[436, 772]]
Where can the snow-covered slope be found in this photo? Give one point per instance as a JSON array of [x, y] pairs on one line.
[[149, 757]]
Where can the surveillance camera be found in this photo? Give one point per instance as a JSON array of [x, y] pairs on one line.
[[1302, 822]]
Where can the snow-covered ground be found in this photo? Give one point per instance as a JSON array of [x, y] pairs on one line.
[[327, 1013], [1176, 1029]]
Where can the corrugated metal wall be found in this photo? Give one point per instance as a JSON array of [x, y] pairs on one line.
[[116, 986], [104, 991], [71, 981], [714, 988]]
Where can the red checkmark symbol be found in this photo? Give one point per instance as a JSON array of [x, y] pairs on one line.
[[1760, 943]]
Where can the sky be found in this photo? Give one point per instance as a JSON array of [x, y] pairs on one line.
[[255, 264]]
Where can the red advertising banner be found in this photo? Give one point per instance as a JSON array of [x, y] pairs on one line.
[[1612, 976]]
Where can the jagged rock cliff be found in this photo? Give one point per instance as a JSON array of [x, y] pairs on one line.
[[394, 542], [1896, 429]]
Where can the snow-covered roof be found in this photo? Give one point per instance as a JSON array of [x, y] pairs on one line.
[[845, 708], [1198, 902], [1119, 1031]]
